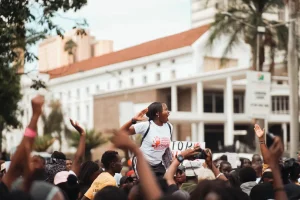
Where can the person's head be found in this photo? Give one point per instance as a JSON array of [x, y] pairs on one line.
[[158, 111], [225, 168], [180, 175], [217, 190], [132, 175], [247, 174], [68, 183], [257, 166], [110, 193], [126, 183], [37, 162], [89, 171], [58, 155], [267, 177], [245, 162], [224, 158], [112, 161], [69, 163], [234, 179], [256, 158]]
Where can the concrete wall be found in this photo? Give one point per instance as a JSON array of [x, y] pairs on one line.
[[106, 109]]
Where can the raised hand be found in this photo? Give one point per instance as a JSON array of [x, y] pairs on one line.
[[259, 133], [122, 141], [37, 104], [276, 151], [76, 125], [189, 153], [140, 115]]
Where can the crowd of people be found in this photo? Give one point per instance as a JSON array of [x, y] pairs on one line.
[[153, 173]]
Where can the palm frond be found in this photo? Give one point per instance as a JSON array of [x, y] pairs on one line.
[[234, 40], [42, 143]]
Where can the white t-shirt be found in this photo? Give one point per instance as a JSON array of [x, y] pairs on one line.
[[156, 142]]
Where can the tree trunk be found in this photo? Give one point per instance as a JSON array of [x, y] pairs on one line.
[[293, 81]]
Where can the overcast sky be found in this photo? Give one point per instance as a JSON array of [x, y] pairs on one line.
[[130, 22]]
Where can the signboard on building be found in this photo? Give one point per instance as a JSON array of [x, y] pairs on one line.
[[258, 98], [178, 146]]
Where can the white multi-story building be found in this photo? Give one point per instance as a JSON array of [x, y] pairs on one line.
[[206, 99]]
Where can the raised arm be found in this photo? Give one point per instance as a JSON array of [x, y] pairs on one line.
[[275, 153], [147, 180], [169, 176], [20, 159], [262, 143], [78, 158], [128, 125], [212, 166]]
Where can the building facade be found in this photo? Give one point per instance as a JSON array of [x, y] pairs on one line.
[[206, 99]]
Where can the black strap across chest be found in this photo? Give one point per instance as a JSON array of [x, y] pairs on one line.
[[147, 131]]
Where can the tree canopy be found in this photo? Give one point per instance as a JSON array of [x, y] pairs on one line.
[[22, 24], [241, 20]]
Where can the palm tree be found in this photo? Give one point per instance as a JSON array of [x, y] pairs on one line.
[[242, 19], [42, 143], [93, 140], [54, 122], [70, 48]]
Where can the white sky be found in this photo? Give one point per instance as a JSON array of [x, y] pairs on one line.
[[130, 22]]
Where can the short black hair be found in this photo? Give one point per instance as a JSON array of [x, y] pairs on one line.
[[224, 163], [58, 155], [41, 158], [224, 158], [70, 188], [108, 157], [110, 193], [87, 169], [247, 174], [154, 108]]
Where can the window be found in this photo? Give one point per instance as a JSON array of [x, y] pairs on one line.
[[213, 102], [173, 74], [131, 70], [173, 61], [158, 64], [145, 67], [69, 94], [78, 113], [145, 79], [78, 93], [158, 77], [87, 91], [97, 88], [87, 118], [120, 72], [132, 82], [280, 104], [238, 103], [69, 111], [120, 83], [60, 96], [108, 85]]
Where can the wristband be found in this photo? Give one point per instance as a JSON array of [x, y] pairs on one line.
[[279, 189], [261, 142], [30, 133], [219, 175]]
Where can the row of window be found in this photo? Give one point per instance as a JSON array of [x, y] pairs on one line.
[[120, 85], [145, 66], [79, 115]]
